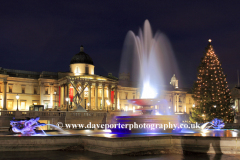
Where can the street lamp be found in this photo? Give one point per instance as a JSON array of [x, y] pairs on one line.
[[88, 104], [108, 103], [17, 97], [67, 99], [55, 99]]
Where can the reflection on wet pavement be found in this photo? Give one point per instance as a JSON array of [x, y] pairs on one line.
[[108, 134], [85, 155]]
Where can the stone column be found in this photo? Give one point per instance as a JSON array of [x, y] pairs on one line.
[[115, 98], [51, 95], [41, 89], [184, 104], [67, 90], [177, 102], [62, 96], [74, 94], [89, 96], [5, 95], [83, 100], [96, 96], [237, 105], [174, 102], [109, 95], [103, 100], [67, 96], [57, 96]]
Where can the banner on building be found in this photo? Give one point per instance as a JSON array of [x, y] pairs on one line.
[[59, 96], [112, 97], [71, 94]]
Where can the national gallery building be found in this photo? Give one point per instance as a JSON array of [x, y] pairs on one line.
[[80, 86]]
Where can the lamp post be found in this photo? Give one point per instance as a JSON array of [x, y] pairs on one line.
[[108, 103], [55, 99], [67, 99], [17, 97]]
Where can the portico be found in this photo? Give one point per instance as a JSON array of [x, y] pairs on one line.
[[89, 91]]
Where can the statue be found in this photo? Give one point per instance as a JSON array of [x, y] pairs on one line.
[[27, 126], [214, 124]]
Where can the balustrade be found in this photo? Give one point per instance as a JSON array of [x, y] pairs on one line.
[[50, 114]]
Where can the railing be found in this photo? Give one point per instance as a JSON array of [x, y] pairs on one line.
[[43, 114], [31, 114], [7, 113], [51, 114], [87, 114]]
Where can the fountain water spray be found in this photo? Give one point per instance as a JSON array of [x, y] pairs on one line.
[[150, 60]]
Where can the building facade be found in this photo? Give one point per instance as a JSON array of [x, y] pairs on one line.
[[63, 90]]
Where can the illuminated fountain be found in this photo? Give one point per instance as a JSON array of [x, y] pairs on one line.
[[149, 59]]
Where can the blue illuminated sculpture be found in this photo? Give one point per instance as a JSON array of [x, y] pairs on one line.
[[218, 123], [214, 124], [27, 126]]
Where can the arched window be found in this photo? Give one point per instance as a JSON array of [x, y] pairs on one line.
[[87, 69], [77, 72]]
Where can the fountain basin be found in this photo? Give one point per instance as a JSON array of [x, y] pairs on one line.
[[145, 123]]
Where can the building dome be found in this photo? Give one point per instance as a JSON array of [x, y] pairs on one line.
[[81, 57]]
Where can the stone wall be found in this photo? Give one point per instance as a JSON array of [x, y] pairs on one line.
[[126, 145]]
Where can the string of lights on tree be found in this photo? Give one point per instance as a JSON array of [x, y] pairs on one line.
[[210, 91]]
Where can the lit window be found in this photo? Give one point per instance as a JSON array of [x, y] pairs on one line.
[[23, 89], [87, 69], [35, 90], [46, 90], [77, 71], [10, 89], [126, 108]]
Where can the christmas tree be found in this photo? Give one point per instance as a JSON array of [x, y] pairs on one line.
[[210, 91]]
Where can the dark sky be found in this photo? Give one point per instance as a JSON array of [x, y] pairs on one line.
[[41, 35]]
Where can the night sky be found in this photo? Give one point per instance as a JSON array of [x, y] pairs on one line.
[[45, 35]]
